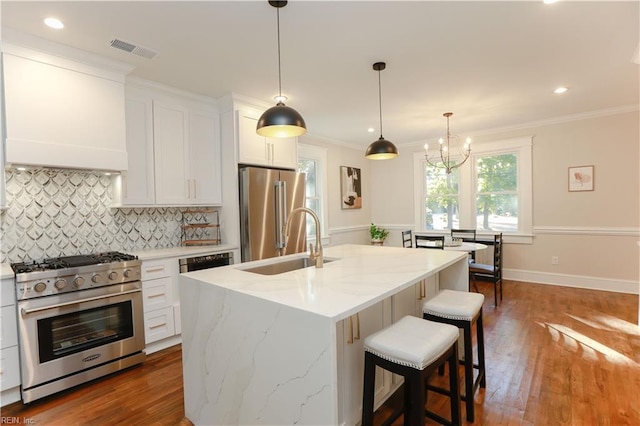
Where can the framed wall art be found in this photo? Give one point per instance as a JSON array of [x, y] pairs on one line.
[[581, 178], [350, 188]]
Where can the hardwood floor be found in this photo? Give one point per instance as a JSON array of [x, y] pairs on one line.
[[555, 356]]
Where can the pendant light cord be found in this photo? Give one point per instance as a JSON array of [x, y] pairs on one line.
[[279, 66], [380, 102]]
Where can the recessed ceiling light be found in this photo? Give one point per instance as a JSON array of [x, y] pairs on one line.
[[371, 130], [560, 90], [54, 23], [549, 1]]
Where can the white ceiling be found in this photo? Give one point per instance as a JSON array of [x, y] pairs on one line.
[[494, 64]]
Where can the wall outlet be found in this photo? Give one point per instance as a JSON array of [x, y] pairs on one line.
[[555, 260]]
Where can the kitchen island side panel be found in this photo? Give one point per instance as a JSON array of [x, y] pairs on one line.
[[277, 364]]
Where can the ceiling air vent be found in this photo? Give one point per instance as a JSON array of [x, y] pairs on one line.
[[132, 48]]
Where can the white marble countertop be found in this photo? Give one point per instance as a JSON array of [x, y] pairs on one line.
[[181, 251], [361, 276], [6, 271]]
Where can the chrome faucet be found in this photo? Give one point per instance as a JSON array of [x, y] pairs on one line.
[[315, 255]]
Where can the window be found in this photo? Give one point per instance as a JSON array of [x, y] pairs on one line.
[[491, 192], [441, 199], [496, 193], [312, 160]]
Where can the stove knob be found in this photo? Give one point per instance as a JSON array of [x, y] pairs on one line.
[[96, 278], [113, 275], [78, 281], [40, 287], [60, 284]]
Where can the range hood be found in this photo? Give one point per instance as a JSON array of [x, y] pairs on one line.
[[61, 112]]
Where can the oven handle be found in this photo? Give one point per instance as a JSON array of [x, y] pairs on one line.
[[75, 302]]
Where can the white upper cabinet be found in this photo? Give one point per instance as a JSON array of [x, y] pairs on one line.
[[61, 112], [171, 153], [256, 149], [205, 157], [137, 183], [174, 151]]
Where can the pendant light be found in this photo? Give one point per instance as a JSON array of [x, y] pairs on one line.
[[381, 149], [280, 121]]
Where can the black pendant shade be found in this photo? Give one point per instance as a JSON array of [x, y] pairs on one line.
[[381, 149], [280, 121]]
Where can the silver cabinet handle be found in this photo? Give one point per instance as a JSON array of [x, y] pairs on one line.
[[350, 340], [151, 327]]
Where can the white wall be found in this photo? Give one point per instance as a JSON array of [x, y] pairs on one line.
[[594, 234], [345, 225]]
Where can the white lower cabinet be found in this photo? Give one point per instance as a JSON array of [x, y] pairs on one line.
[[9, 368], [351, 333], [158, 325], [159, 298], [9, 354]]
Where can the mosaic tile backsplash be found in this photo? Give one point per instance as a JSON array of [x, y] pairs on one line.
[[54, 213]]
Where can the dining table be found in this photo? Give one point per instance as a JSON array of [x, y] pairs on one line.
[[465, 246]]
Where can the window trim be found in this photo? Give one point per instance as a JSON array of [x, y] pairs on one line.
[[319, 154], [522, 147]]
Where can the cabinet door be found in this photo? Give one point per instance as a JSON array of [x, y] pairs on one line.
[[359, 326], [252, 148], [284, 152], [205, 153], [137, 182], [171, 153]]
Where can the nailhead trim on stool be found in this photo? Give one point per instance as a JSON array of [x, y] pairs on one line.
[[413, 348], [462, 309]]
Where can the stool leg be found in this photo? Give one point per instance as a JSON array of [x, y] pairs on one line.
[[369, 389], [480, 338], [414, 413], [454, 386], [468, 371]]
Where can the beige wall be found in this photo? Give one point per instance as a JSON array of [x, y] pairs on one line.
[[594, 234]]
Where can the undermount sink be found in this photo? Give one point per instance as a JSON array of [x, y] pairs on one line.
[[284, 266]]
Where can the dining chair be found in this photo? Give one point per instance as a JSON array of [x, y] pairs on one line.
[[468, 236], [491, 272], [430, 241], [407, 239]]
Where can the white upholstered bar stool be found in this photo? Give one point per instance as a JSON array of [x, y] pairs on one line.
[[462, 309], [413, 348]]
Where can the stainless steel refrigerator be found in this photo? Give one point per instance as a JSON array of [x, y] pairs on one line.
[[267, 197]]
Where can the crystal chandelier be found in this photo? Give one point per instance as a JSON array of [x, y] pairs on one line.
[[445, 161]]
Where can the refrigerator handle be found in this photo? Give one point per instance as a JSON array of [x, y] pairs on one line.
[[281, 213]]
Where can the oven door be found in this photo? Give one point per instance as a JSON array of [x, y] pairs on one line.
[[72, 332]]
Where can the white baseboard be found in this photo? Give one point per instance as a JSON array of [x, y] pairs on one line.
[[163, 344], [10, 396], [577, 281]]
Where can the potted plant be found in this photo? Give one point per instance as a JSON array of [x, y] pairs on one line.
[[378, 235]]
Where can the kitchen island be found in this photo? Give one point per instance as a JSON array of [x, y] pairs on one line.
[[287, 348]]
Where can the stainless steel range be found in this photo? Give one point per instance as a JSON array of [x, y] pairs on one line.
[[79, 318]]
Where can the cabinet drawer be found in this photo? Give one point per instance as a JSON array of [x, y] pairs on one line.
[[7, 292], [157, 268], [158, 325], [157, 294], [9, 368], [9, 336]]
